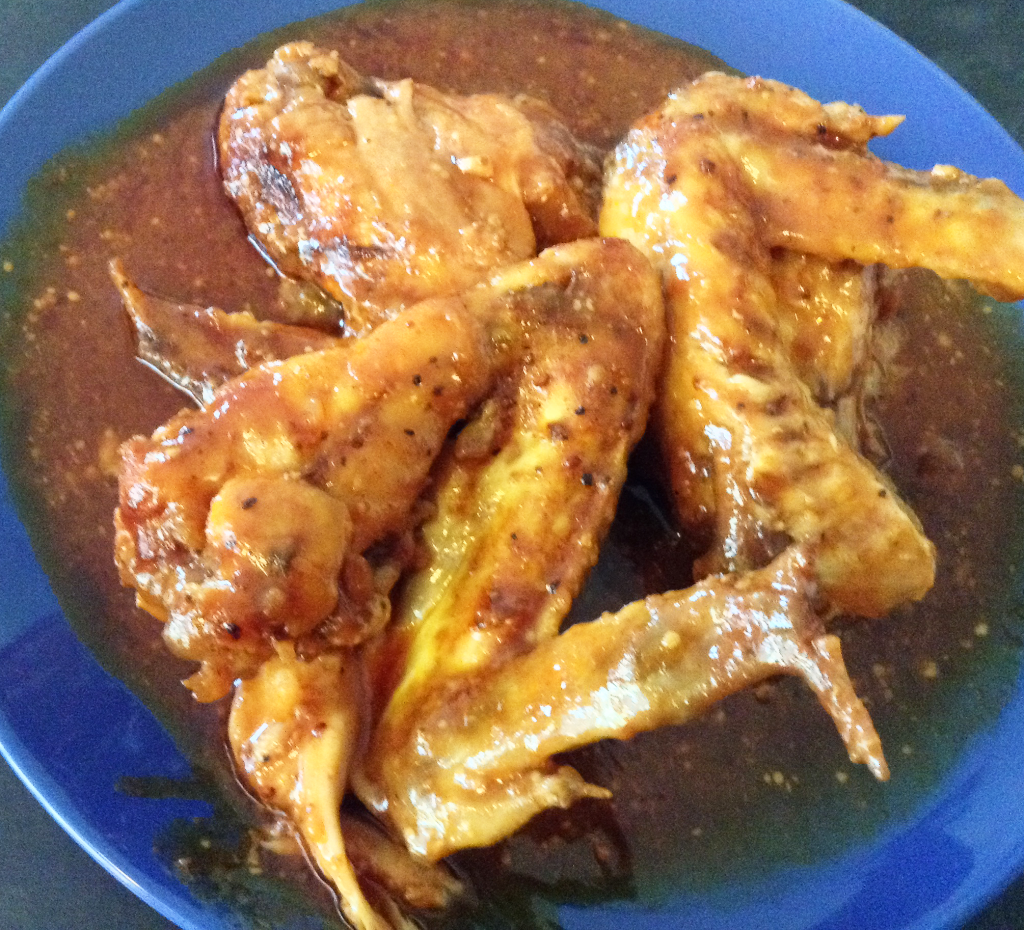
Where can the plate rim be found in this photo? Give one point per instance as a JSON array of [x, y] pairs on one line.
[[135, 14]]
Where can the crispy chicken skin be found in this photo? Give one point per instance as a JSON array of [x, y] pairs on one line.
[[754, 461], [473, 761], [385, 193], [248, 521]]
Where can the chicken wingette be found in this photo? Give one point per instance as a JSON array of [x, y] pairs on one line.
[[465, 759], [293, 730], [523, 501]]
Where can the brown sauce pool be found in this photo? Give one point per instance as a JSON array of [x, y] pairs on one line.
[[744, 790]]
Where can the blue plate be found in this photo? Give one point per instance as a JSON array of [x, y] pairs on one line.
[[70, 730]]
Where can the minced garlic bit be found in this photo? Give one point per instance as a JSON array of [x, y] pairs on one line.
[[45, 300], [670, 640], [779, 780], [109, 456], [929, 669]]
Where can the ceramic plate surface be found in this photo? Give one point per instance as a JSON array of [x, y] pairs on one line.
[[71, 731]]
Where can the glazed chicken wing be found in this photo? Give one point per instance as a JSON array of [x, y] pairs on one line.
[[235, 521], [523, 502], [486, 691], [250, 521], [471, 761], [293, 730], [387, 193], [752, 457], [238, 522]]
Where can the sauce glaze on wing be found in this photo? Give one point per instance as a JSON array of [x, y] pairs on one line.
[[385, 193], [524, 501], [749, 451], [470, 759], [248, 521]]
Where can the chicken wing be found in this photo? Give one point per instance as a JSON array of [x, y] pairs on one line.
[[752, 458], [247, 522], [523, 501], [293, 730], [474, 763], [387, 193], [485, 692]]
